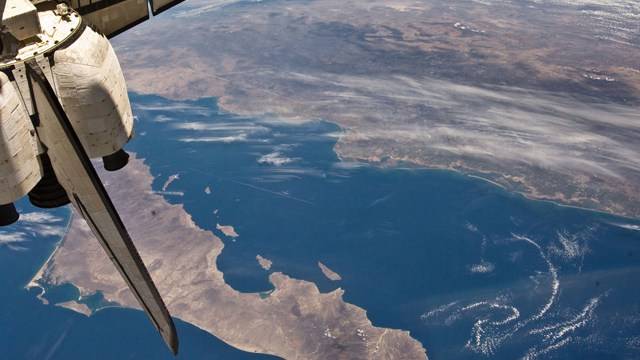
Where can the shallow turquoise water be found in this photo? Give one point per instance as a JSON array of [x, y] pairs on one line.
[[471, 270]]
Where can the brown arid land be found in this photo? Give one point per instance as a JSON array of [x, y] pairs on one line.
[[294, 321], [540, 97]]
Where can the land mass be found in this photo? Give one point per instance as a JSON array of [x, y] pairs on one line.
[[292, 322], [330, 274], [264, 262], [537, 96], [169, 181], [77, 307], [228, 230]]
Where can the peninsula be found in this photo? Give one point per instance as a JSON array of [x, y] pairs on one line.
[[291, 322]]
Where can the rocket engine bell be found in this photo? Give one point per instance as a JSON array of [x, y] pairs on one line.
[[88, 81]]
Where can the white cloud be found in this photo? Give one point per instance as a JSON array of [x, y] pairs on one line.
[[176, 107], [496, 124], [247, 127], [12, 238], [45, 230], [40, 217], [349, 165], [570, 246], [162, 118], [215, 139], [483, 267], [632, 227], [275, 158], [202, 7]]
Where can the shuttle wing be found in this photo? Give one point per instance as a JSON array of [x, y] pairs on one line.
[[77, 175], [112, 17]]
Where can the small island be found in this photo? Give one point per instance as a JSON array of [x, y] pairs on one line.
[[171, 179], [330, 274], [264, 262], [228, 230]]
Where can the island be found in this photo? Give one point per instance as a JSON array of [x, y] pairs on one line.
[[264, 262], [294, 321], [170, 179], [227, 230], [330, 274]]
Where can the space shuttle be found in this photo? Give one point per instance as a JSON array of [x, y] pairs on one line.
[[63, 102]]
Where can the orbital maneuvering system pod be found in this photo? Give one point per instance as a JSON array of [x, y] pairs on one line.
[[63, 101]]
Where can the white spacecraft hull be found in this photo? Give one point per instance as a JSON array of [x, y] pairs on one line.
[[63, 101], [76, 174], [20, 169]]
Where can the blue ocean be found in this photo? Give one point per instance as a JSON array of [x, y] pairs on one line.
[[471, 270]]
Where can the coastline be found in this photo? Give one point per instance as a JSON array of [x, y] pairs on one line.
[[33, 283], [475, 175], [390, 162], [213, 305]]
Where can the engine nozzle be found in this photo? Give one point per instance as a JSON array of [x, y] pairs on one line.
[[48, 193], [116, 161], [8, 214]]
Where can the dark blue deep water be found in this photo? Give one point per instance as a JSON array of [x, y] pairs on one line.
[[471, 270]]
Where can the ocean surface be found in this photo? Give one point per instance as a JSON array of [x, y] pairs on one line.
[[471, 270]]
